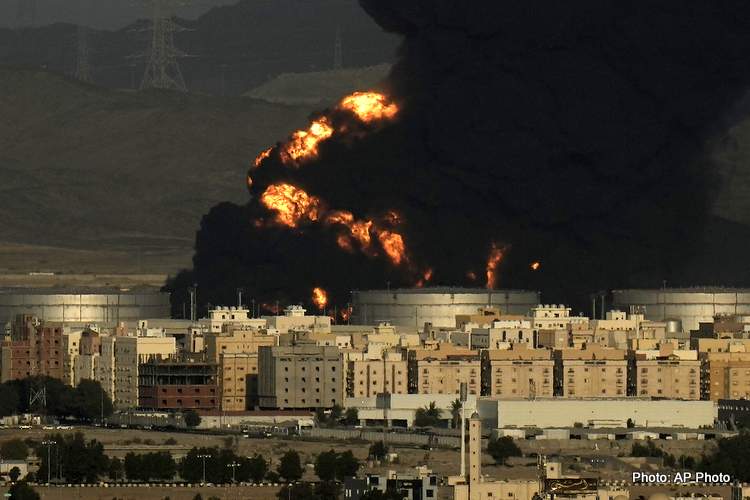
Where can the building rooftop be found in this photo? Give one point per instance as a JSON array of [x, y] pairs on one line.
[[445, 289]]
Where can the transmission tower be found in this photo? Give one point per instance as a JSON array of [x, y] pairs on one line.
[[162, 69], [83, 70], [338, 52], [26, 14], [38, 396]]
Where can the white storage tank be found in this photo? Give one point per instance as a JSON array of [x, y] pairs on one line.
[[437, 305], [688, 305]]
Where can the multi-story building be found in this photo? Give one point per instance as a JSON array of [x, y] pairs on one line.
[[406, 486], [591, 372], [553, 339], [119, 364], [725, 375], [34, 349], [666, 373], [441, 371], [235, 351], [300, 376], [294, 318], [368, 377], [178, 384], [551, 317], [220, 318], [518, 372]]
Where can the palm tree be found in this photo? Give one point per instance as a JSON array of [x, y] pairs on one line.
[[456, 413]]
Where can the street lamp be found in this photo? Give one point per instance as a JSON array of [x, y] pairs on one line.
[[204, 457], [234, 466], [49, 444]]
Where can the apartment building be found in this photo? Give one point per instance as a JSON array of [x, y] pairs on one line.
[[295, 318], [300, 376], [594, 371], [178, 383], [725, 375], [441, 371], [666, 373], [553, 316], [368, 377], [119, 364], [235, 352], [519, 372], [35, 349]]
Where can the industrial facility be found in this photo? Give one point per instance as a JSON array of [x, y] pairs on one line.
[[81, 306], [439, 306], [690, 306]]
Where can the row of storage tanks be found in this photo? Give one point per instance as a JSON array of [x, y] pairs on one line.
[[684, 307], [681, 308]]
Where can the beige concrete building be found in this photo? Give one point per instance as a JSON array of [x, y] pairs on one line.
[[71, 348], [553, 339], [725, 375], [300, 376], [294, 318], [591, 372], [235, 350], [666, 373], [720, 345], [441, 371], [518, 372], [369, 377], [220, 318], [552, 316], [119, 360]]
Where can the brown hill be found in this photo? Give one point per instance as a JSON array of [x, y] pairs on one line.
[[83, 167]]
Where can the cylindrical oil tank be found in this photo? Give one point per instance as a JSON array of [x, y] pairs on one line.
[[690, 305], [673, 326], [439, 306], [82, 306]]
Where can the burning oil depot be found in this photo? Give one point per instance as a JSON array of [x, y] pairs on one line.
[[689, 306], [439, 306]]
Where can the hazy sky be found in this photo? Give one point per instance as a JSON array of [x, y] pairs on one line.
[[109, 14]]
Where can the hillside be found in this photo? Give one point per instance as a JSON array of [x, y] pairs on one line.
[[87, 168], [319, 87]]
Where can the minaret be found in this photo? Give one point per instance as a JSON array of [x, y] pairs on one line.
[[475, 450]]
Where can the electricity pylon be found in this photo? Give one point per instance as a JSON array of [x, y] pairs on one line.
[[83, 69], [162, 68]]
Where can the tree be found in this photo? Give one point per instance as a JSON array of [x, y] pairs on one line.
[[198, 496], [15, 449], [501, 449], [378, 450], [14, 474], [731, 456], [257, 468], [90, 401], [133, 467], [298, 491], [630, 424], [9, 400], [115, 469], [191, 467], [325, 465], [351, 417], [456, 406], [290, 467], [22, 491], [347, 465], [192, 419], [429, 416]]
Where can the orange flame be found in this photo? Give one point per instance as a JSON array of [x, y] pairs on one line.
[[319, 297], [393, 244], [493, 262], [346, 313], [536, 265], [471, 275], [262, 156], [369, 106], [304, 143], [358, 229], [426, 276], [291, 204]]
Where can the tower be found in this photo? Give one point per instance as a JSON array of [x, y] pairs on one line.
[[475, 450], [162, 69], [83, 70], [26, 13], [338, 51]]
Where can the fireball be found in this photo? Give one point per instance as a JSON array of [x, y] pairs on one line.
[[319, 297], [369, 106], [291, 204], [304, 143]]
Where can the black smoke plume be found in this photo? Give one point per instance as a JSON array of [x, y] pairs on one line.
[[572, 133]]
